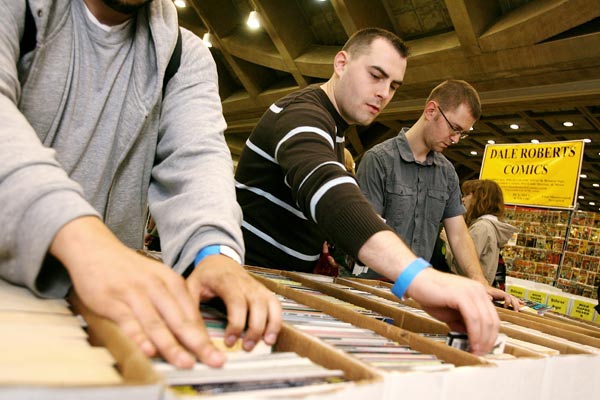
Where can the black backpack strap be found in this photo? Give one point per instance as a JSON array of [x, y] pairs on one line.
[[28, 41], [174, 62]]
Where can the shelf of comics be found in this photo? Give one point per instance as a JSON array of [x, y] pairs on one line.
[[539, 253]]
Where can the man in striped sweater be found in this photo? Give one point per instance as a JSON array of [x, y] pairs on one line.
[[295, 191]]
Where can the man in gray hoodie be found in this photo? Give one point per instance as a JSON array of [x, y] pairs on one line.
[[89, 137]]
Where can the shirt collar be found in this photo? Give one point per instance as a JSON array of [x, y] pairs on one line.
[[407, 154], [104, 27]]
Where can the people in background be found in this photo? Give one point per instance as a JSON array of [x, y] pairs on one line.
[[484, 202], [295, 191], [90, 134], [415, 188]]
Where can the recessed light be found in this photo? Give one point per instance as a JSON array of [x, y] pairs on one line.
[[581, 197], [568, 124], [180, 3], [583, 176], [491, 141], [206, 40], [514, 126], [586, 140], [591, 203], [596, 184], [473, 153], [253, 21], [535, 141]]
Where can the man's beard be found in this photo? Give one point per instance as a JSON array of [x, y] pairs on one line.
[[124, 7]]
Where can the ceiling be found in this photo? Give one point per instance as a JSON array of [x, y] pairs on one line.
[[535, 63]]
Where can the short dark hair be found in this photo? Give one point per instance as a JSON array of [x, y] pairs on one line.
[[451, 94], [360, 41]]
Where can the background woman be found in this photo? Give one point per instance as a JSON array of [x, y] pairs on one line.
[[484, 202]]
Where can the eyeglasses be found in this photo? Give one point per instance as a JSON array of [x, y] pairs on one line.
[[457, 131]]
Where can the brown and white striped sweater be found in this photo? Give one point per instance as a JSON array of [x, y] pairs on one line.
[[294, 189]]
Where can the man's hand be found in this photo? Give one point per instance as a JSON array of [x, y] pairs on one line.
[[248, 302], [326, 265], [460, 302], [501, 295], [147, 299]]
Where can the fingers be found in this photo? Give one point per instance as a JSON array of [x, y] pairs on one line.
[[182, 317], [147, 299], [154, 327], [332, 262], [258, 309], [274, 321], [462, 303], [481, 320], [132, 328], [509, 300], [249, 304], [514, 302], [158, 323]]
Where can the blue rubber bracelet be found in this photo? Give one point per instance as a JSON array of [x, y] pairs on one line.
[[207, 251], [407, 276]]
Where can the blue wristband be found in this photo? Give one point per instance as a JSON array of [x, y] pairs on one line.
[[407, 276], [207, 251]]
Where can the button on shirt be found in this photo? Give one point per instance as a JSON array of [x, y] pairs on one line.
[[412, 197]]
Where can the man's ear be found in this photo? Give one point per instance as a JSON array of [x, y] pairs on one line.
[[430, 109], [340, 61]]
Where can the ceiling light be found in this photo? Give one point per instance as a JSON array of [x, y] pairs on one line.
[[596, 185], [535, 141], [587, 140], [568, 124], [473, 153], [253, 21], [583, 176], [206, 40], [591, 203], [491, 141], [180, 3], [580, 197], [514, 126]]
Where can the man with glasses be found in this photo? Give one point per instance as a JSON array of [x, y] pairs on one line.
[[415, 188]]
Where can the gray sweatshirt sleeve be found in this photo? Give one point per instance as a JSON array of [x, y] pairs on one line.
[[36, 196], [192, 194]]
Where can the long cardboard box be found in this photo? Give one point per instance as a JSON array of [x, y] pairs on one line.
[[382, 289], [402, 336]]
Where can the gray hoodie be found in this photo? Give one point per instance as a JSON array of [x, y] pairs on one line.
[[89, 133], [489, 235]]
